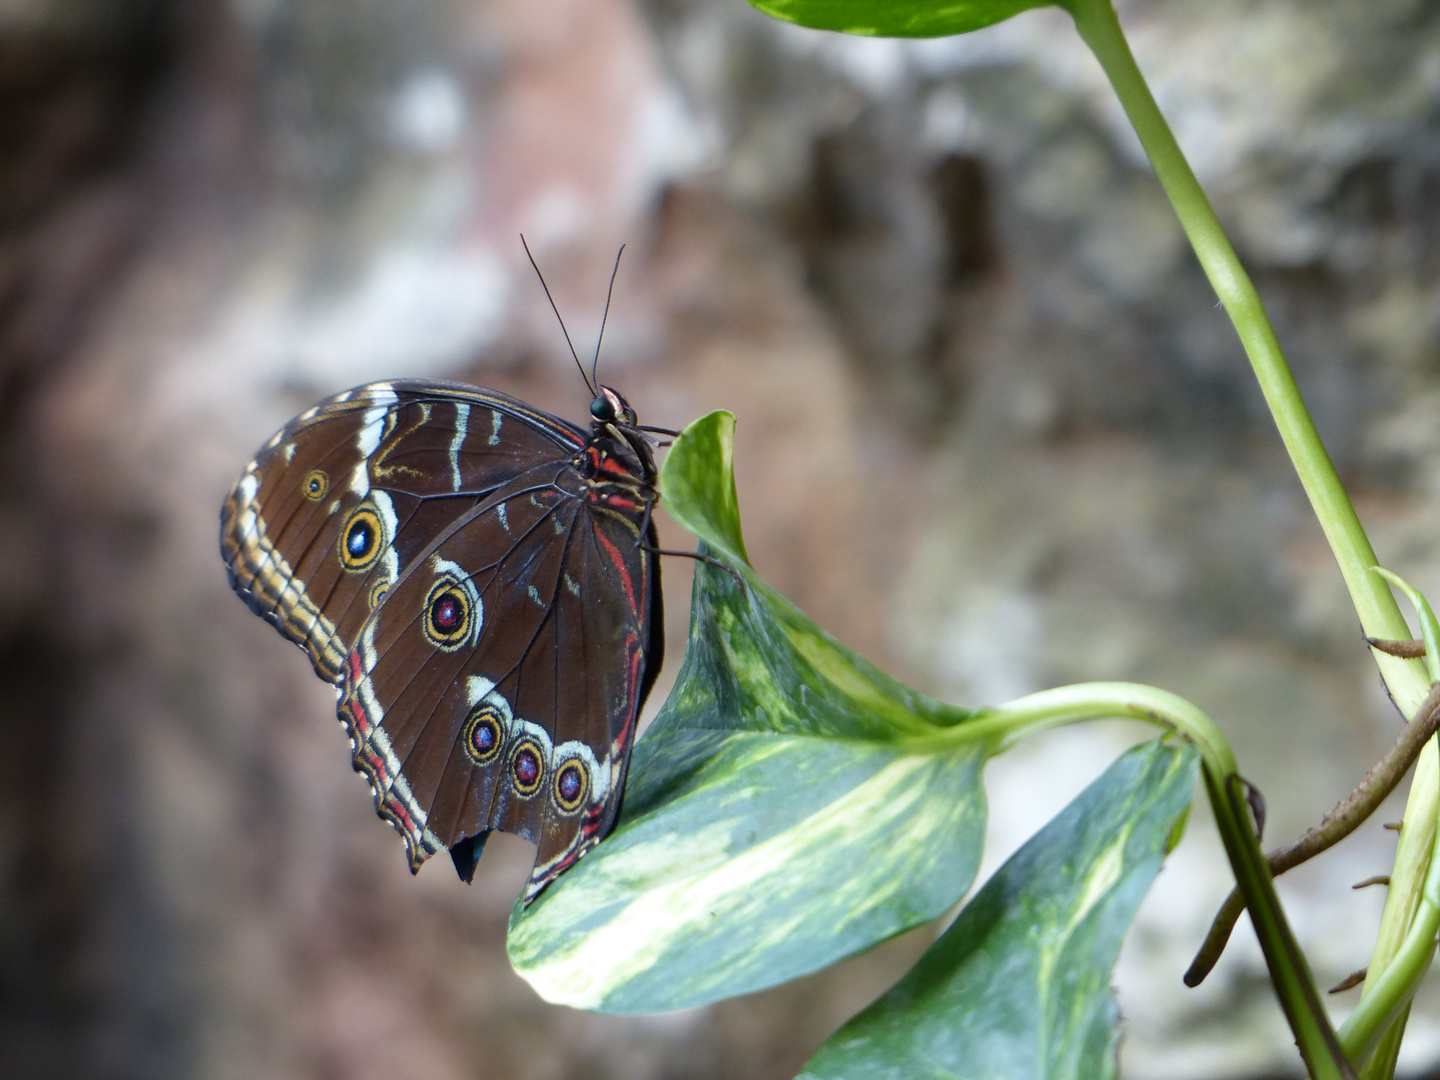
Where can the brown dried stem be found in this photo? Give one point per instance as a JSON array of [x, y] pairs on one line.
[[1339, 823]]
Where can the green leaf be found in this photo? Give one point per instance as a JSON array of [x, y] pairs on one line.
[[1019, 986], [791, 805], [698, 483], [896, 18], [754, 660]]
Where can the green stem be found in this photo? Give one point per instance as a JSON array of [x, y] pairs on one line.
[[1381, 1065], [1412, 860], [1407, 679], [1388, 992], [1006, 724], [1098, 26]]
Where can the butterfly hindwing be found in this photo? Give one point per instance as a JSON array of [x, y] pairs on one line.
[[497, 684]]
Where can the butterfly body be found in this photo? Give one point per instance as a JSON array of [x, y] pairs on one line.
[[478, 579]]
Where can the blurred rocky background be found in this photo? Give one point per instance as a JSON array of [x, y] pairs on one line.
[[993, 432]]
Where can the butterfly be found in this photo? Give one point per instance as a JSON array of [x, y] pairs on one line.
[[479, 580]]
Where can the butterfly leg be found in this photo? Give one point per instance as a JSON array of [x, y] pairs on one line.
[[706, 559]]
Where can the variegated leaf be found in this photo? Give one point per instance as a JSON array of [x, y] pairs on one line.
[[790, 806], [1019, 986]]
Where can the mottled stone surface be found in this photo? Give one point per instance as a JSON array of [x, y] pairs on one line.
[[993, 433]]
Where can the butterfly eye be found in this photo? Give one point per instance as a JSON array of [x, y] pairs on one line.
[[361, 540], [526, 770], [603, 409], [484, 734], [449, 615], [315, 484], [572, 784]]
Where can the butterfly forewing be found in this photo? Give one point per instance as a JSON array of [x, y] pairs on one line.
[[371, 457], [474, 576]]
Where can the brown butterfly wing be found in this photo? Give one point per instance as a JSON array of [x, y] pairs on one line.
[[492, 622], [498, 684], [399, 461]]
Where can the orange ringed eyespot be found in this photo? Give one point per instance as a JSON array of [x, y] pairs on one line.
[[572, 784], [527, 767], [483, 735], [362, 540], [447, 617]]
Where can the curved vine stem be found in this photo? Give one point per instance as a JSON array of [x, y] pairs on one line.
[[1379, 614], [1006, 724], [1380, 617]]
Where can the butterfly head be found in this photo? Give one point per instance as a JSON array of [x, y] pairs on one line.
[[610, 408], [615, 432]]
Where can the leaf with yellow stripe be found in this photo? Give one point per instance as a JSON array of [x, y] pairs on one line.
[[791, 804], [1019, 986]]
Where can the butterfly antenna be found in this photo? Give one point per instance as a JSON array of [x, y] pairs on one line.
[[588, 384], [595, 364]]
